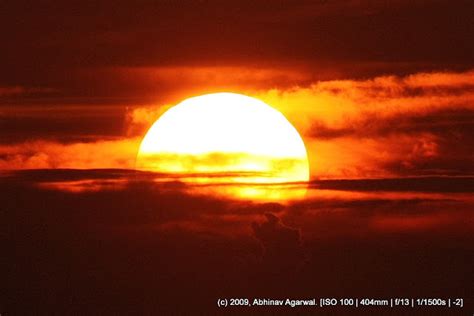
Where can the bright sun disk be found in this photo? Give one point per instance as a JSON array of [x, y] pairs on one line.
[[225, 134]]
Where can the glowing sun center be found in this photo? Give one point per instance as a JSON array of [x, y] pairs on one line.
[[225, 133]]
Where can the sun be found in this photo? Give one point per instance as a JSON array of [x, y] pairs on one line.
[[236, 136]]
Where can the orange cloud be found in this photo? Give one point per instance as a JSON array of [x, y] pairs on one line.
[[385, 126], [380, 127], [42, 154], [418, 222], [169, 84], [336, 102]]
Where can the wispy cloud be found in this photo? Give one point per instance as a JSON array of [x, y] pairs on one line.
[[380, 127], [44, 154], [384, 126], [21, 90]]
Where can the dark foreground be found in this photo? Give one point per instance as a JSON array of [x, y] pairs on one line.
[[93, 242]]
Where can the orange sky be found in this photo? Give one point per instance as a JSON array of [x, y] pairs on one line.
[[371, 97], [379, 127], [381, 92]]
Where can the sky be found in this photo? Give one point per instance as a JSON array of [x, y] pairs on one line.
[[381, 92], [375, 89]]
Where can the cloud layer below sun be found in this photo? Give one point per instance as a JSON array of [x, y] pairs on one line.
[[386, 126]]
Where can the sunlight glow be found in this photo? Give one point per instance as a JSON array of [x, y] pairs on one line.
[[240, 137]]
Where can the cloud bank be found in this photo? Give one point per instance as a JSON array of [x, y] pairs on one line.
[[385, 126]]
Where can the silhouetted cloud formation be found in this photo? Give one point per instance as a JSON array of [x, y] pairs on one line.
[[91, 250], [282, 245]]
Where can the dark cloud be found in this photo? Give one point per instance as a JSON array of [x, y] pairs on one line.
[[441, 139], [282, 245], [16, 128], [18, 90], [420, 184], [454, 123], [118, 242], [150, 33], [149, 245], [50, 43]]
